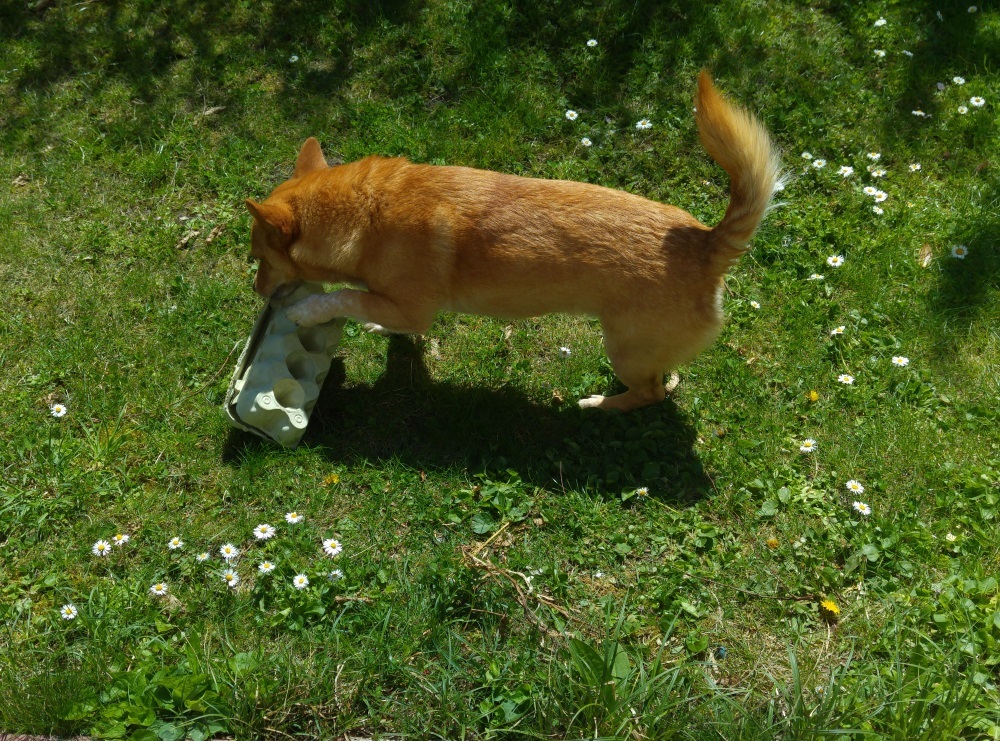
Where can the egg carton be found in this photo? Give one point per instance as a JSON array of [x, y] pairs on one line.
[[281, 371]]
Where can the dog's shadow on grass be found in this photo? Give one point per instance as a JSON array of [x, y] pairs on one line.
[[409, 418]]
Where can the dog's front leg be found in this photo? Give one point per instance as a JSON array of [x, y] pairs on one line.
[[362, 306]]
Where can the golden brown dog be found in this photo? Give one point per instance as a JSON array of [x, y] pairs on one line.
[[422, 238]]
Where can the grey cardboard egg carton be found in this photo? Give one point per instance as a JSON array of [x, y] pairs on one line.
[[281, 371]]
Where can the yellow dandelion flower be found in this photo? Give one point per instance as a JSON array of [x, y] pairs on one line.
[[772, 543], [829, 610], [333, 478], [813, 395]]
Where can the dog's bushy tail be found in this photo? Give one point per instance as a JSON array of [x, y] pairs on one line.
[[743, 149]]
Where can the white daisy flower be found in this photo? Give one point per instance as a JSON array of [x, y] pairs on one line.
[[175, 543], [565, 352], [874, 156], [332, 547], [572, 115], [862, 508], [878, 210], [959, 251], [229, 551], [855, 487], [266, 567], [754, 305], [815, 276], [837, 330], [900, 361], [592, 43], [202, 557], [880, 196], [231, 577], [68, 612], [642, 491], [977, 101], [159, 589], [336, 574], [101, 548], [807, 156], [846, 378], [819, 164], [808, 445], [263, 532], [835, 261], [880, 22], [586, 142], [301, 581], [870, 190], [880, 53], [973, 8], [846, 171], [878, 172], [294, 58], [58, 410], [644, 124], [120, 539], [963, 109], [907, 53], [293, 517], [919, 114], [915, 166], [958, 80]]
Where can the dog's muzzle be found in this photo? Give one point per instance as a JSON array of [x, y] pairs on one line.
[[283, 290]]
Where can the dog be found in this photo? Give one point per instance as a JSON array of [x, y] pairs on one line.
[[419, 239]]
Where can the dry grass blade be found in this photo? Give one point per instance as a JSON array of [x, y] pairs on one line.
[[926, 255], [525, 591]]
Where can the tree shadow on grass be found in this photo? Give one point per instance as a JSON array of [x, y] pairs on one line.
[[966, 288], [409, 418], [145, 44], [186, 29], [142, 43]]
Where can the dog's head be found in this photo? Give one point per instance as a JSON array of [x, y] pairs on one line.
[[275, 234]]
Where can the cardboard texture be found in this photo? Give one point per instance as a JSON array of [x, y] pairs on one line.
[[281, 371]]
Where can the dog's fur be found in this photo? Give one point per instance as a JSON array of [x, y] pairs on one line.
[[424, 238]]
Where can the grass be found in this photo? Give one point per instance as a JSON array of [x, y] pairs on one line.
[[501, 576]]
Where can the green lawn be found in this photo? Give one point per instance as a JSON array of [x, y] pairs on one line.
[[512, 567]]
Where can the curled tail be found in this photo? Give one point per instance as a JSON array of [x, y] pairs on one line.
[[742, 147]]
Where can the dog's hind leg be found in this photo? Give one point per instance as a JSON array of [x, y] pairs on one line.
[[638, 365], [641, 393]]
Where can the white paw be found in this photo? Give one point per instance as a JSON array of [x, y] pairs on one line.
[[591, 402], [671, 385], [306, 312], [376, 328]]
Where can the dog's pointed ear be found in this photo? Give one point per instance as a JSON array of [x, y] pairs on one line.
[[310, 158], [277, 218]]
